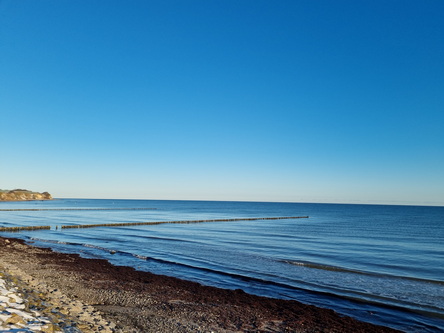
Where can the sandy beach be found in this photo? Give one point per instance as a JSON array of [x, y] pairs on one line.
[[57, 292]]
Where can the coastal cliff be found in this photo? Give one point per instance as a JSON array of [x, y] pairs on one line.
[[23, 195]]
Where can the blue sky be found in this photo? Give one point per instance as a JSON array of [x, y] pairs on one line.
[[300, 101]]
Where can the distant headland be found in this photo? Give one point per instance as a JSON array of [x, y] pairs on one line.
[[23, 195]]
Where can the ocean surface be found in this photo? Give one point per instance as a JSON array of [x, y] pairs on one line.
[[377, 263]]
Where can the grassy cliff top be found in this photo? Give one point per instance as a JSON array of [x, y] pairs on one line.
[[23, 195]]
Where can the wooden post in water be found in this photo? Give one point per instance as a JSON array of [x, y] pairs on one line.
[[129, 224], [17, 229]]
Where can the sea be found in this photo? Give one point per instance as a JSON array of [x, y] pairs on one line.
[[377, 263]]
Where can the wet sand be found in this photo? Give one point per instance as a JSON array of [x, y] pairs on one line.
[[91, 295]]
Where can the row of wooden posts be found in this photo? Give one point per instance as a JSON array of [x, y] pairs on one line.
[[129, 224], [17, 229], [58, 209]]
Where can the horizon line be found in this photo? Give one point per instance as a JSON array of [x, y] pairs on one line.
[[265, 201]]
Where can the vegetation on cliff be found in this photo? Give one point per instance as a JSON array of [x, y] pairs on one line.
[[23, 195]]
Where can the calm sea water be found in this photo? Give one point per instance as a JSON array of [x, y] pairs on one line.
[[381, 264]]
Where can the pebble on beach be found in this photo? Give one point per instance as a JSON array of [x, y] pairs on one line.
[[30, 306], [15, 315]]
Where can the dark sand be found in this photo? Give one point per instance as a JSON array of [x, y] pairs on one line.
[[133, 301]]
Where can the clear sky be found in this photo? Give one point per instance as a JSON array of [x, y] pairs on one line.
[[300, 101]]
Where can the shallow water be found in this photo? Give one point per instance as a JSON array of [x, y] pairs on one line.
[[382, 264]]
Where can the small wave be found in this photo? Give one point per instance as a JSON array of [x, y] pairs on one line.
[[162, 238], [140, 257], [313, 288], [325, 267], [223, 273], [299, 286], [51, 241], [322, 266]]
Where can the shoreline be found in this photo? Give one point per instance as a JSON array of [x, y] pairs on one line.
[[122, 299]]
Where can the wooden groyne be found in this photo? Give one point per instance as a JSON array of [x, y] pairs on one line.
[[17, 229], [64, 209], [129, 224]]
